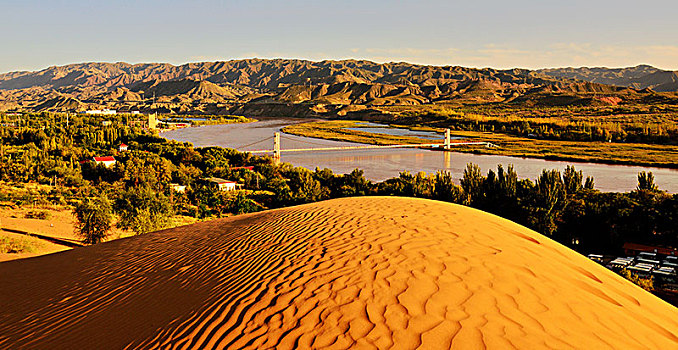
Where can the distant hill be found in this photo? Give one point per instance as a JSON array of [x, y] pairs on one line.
[[639, 77], [225, 86]]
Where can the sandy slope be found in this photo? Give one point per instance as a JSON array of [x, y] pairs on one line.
[[359, 272]]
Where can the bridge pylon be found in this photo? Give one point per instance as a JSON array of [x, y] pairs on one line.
[[276, 145], [448, 140]]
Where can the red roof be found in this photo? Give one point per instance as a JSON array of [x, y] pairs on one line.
[[104, 159], [123, 145], [648, 248]]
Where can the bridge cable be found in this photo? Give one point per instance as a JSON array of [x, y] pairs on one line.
[[311, 142], [254, 143]]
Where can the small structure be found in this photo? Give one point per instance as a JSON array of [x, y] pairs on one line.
[[178, 188], [619, 264], [102, 112], [641, 270], [107, 161], [596, 257], [222, 184], [106, 123], [122, 147]]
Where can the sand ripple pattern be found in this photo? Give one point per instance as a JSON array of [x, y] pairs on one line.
[[372, 273]]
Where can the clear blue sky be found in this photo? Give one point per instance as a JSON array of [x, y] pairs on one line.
[[475, 33]]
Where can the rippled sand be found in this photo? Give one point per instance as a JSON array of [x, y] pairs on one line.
[[374, 272]]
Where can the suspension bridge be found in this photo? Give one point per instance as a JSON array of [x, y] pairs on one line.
[[277, 149]]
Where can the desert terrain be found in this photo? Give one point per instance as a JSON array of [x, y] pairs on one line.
[[371, 272]]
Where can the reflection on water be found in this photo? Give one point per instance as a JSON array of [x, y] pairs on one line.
[[380, 164]]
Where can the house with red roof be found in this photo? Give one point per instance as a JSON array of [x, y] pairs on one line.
[[107, 161], [122, 147]]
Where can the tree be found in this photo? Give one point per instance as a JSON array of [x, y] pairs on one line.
[[143, 210], [572, 180], [445, 189], [353, 184], [94, 218], [646, 182], [472, 183], [241, 204], [550, 199], [589, 183]]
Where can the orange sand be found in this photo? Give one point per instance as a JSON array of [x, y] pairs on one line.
[[359, 272]]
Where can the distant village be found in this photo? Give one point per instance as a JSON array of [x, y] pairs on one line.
[[215, 183], [152, 123]]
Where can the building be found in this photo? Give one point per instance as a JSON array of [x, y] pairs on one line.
[[122, 147], [106, 123], [102, 112], [632, 249], [222, 185], [107, 161], [178, 188]]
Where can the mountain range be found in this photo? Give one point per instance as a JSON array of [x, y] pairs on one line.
[[639, 77], [299, 87]]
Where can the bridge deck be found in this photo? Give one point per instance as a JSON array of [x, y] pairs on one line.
[[435, 145]]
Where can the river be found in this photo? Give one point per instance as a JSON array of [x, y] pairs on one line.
[[381, 164]]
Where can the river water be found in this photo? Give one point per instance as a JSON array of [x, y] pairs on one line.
[[381, 164]]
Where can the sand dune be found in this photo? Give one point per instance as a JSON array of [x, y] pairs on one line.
[[347, 273]]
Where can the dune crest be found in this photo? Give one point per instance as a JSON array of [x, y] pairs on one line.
[[371, 272]]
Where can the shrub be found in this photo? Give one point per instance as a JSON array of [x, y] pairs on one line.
[[10, 245], [37, 214]]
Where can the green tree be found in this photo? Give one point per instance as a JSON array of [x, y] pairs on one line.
[[143, 210], [646, 182], [241, 204], [572, 180], [472, 183], [550, 199], [445, 189], [94, 218]]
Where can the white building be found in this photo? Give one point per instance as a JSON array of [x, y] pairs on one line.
[[102, 112], [223, 185], [178, 188]]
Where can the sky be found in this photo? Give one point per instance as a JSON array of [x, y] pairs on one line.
[[473, 33]]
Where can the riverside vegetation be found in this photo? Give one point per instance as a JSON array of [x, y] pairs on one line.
[[137, 192]]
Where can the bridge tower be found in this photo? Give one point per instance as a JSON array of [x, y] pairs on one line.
[[276, 145], [447, 139]]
